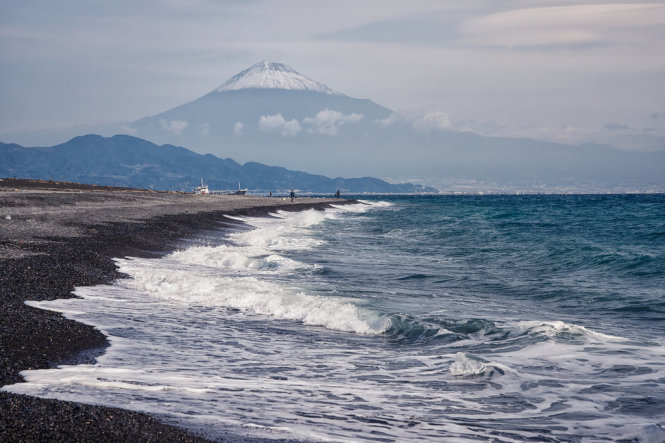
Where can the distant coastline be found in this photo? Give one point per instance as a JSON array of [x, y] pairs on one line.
[[132, 162]]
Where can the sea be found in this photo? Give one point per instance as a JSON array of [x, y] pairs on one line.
[[396, 318]]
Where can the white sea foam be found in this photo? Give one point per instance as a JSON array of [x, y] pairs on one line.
[[363, 206], [250, 294], [466, 364], [233, 276], [377, 203], [284, 231], [559, 330], [236, 258], [108, 378]]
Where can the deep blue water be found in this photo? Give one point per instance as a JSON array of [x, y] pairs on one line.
[[595, 260], [438, 318]]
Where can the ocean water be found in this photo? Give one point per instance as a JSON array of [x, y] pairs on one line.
[[447, 318]]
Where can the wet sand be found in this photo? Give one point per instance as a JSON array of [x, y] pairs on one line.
[[55, 236]]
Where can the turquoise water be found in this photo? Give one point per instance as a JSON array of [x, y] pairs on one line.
[[444, 318]]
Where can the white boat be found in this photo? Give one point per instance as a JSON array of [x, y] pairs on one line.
[[202, 189]]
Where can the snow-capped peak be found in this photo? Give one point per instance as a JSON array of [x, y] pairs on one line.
[[270, 75]]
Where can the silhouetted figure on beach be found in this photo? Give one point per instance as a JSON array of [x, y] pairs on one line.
[[293, 195], [337, 194]]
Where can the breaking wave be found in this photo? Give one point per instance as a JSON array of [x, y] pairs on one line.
[[234, 275]]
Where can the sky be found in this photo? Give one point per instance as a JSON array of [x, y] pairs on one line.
[[564, 71]]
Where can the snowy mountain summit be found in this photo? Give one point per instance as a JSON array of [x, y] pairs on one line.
[[270, 75]]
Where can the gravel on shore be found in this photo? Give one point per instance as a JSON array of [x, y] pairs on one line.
[[56, 236]]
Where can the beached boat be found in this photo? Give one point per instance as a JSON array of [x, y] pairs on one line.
[[202, 189]]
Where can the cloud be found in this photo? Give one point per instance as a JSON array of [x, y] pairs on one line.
[[276, 122], [174, 126], [431, 120], [237, 128], [558, 133], [414, 29], [639, 142], [205, 129], [390, 120], [128, 130], [616, 127], [421, 120], [327, 122], [560, 25]]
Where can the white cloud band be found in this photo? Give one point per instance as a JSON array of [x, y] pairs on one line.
[[327, 122], [276, 122], [174, 126], [559, 25]]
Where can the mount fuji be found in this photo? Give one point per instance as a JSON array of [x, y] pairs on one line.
[[268, 113], [272, 114], [268, 75]]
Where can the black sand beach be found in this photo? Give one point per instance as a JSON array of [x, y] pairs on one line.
[[56, 236]]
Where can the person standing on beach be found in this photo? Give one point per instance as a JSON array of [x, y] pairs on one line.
[[337, 194], [293, 195]]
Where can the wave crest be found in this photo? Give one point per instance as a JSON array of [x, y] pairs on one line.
[[466, 365]]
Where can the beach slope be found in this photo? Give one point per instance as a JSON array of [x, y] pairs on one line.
[[56, 236]]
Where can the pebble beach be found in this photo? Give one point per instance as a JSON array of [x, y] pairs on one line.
[[57, 236]]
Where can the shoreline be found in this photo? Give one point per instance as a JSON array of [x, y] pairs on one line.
[[56, 237]]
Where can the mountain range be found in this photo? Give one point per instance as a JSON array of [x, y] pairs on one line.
[[124, 160], [273, 114]]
